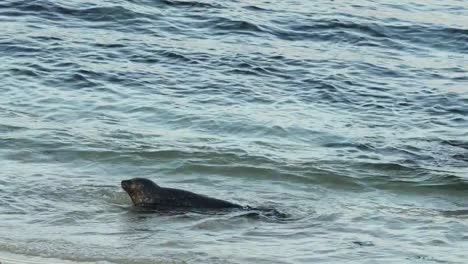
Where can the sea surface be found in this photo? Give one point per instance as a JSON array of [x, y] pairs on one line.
[[348, 117]]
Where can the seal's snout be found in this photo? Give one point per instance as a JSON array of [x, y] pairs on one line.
[[125, 184]]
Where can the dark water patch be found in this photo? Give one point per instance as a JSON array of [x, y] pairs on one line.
[[260, 65], [24, 71], [89, 74], [443, 105], [336, 31], [232, 26], [20, 49], [176, 56], [45, 9], [456, 143], [39, 68], [449, 185], [248, 68], [426, 259], [463, 213], [74, 77], [447, 110], [153, 56], [142, 109], [462, 157], [393, 167], [446, 180], [271, 171], [238, 170], [380, 70], [369, 29], [176, 4], [242, 72], [6, 128], [358, 146], [373, 34], [47, 38], [109, 45], [450, 39], [321, 91], [55, 11], [190, 4], [79, 81], [64, 64], [364, 243], [255, 8]]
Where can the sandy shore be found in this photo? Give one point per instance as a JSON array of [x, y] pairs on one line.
[[10, 258]]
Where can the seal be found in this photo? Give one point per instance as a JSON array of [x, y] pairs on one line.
[[147, 194]]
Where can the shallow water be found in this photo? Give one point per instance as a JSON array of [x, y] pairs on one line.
[[348, 116]]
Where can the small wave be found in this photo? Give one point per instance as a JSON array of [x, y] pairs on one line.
[[334, 24], [55, 11], [360, 34], [223, 25], [178, 56], [418, 183], [255, 8], [19, 49], [246, 68], [456, 213], [190, 4], [381, 34], [395, 167], [24, 71], [456, 143], [236, 25]]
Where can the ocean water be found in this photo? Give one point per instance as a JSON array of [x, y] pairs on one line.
[[350, 117]]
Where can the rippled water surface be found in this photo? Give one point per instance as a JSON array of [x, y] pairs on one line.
[[350, 117]]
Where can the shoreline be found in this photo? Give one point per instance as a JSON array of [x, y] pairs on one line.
[[13, 258]]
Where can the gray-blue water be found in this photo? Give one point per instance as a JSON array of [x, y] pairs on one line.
[[351, 117]]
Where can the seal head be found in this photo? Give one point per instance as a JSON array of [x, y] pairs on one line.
[[143, 192]]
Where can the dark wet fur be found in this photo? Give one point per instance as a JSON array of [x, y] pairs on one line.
[[148, 197], [146, 194], [171, 197]]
